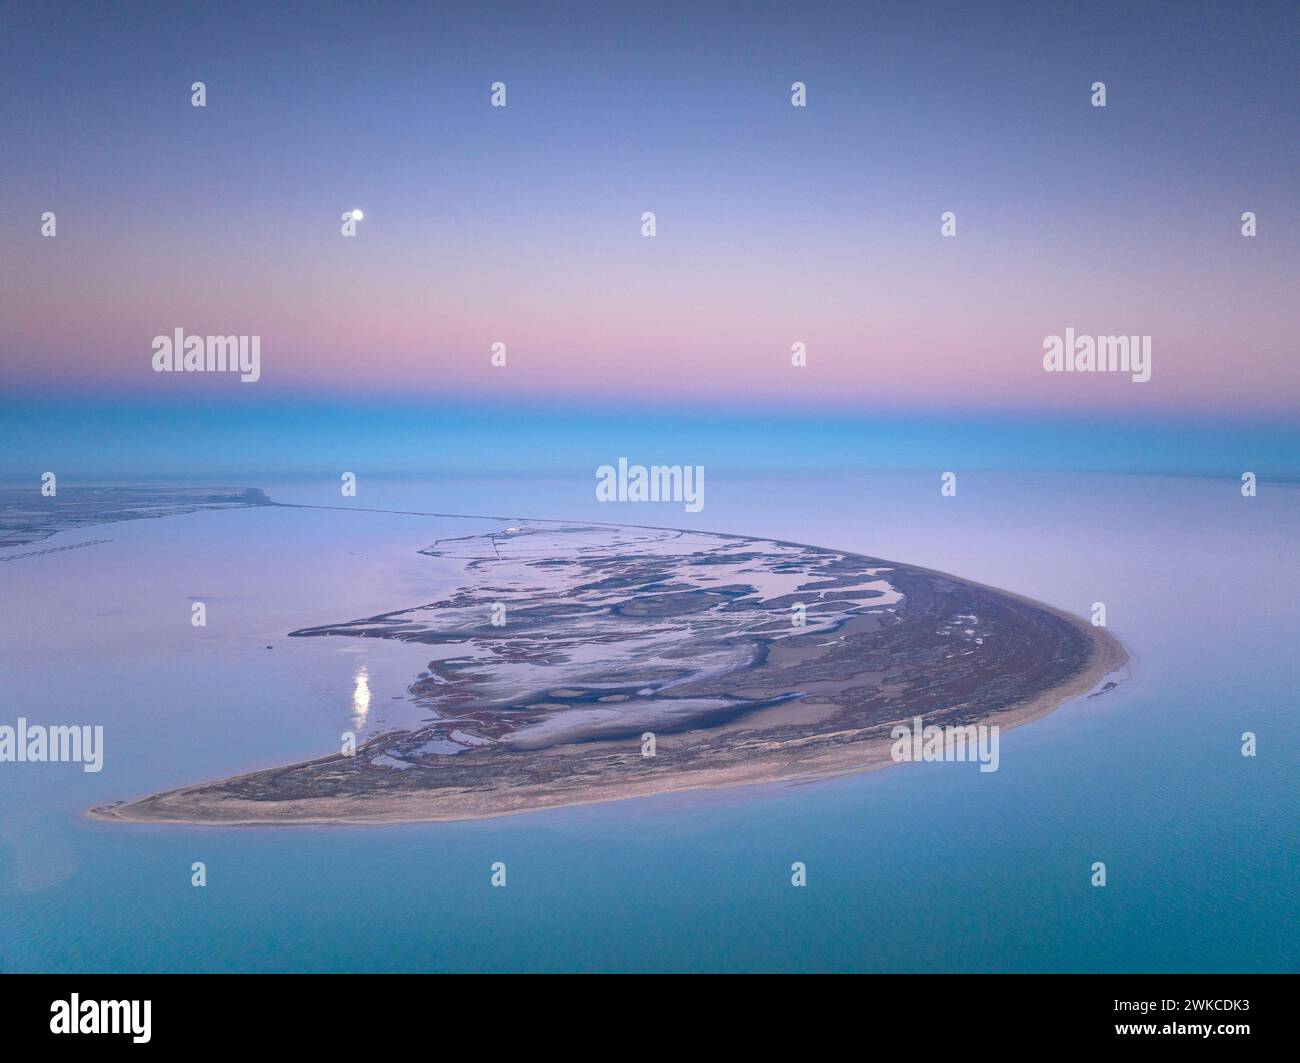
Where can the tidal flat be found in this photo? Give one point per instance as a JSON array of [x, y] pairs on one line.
[[593, 662]]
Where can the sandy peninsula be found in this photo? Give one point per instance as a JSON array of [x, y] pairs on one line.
[[749, 661]]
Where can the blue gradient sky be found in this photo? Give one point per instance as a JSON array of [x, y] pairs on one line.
[[776, 225]]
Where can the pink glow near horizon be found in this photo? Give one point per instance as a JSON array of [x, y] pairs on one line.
[[922, 322]]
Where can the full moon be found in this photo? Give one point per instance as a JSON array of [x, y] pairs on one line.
[[357, 215]]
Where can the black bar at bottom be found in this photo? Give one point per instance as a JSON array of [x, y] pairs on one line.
[[546, 1013]]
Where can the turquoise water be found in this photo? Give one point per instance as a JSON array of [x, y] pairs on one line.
[[918, 868]]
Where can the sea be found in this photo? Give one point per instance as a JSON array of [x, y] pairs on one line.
[[918, 867]]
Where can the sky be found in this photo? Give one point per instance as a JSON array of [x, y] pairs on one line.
[[775, 225]]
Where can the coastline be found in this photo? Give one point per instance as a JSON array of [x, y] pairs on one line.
[[864, 750]]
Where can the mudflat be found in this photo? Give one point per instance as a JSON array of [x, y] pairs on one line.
[[732, 660]]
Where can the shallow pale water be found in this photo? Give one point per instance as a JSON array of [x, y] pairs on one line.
[[920, 867]]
